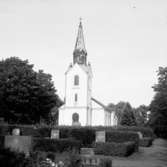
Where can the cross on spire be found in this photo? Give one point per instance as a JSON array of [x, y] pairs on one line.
[[80, 44], [80, 50]]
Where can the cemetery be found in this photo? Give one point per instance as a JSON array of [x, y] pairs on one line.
[[89, 146]]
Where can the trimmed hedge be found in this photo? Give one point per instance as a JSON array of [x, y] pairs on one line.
[[145, 142], [2, 139], [4, 130], [146, 131], [42, 131], [121, 137], [85, 135], [115, 149], [54, 145]]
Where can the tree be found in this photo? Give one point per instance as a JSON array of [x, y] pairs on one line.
[[26, 96], [140, 114], [158, 106], [125, 114]]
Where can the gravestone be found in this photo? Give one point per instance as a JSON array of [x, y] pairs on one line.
[[101, 136], [16, 132], [19, 143], [55, 134], [87, 151], [140, 135]]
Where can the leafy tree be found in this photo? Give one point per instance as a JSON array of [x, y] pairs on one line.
[[125, 114], [26, 96], [158, 106], [140, 114]]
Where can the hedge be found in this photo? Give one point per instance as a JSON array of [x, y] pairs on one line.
[[5, 128], [85, 135], [115, 149], [145, 142], [10, 158], [2, 139], [54, 145], [146, 131], [121, 137]]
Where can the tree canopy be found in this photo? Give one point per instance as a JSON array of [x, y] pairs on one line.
[[158, 105], [124, 113], [141, 115], [26, 96]]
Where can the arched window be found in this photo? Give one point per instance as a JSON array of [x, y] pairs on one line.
[[76, 97], [76, 80]]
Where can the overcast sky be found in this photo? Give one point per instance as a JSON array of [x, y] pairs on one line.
[[126, 41]]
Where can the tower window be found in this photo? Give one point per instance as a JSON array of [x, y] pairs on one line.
[[76, 97], [76, 80]]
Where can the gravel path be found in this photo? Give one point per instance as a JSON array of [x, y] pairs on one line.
[[154, 156]]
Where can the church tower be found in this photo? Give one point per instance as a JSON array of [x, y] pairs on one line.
[[78, 86]]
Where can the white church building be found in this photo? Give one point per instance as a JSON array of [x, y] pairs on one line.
[[78, 92]]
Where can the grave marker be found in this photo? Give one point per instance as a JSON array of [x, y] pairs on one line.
[[101, 136], [16, 132], [55, 134], [140, 135], [87, 151], [19, 143]]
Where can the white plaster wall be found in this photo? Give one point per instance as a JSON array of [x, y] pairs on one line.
[[83, 90], [98, 117], [65, 115], [72, 89], [113, 119]]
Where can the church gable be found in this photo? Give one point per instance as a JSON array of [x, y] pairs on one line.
[[76, 68]]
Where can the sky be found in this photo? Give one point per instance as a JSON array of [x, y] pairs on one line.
[[126, 42]]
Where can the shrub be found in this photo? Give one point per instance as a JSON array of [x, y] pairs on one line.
[[56, 145], [121, 137], [2, 139], [146, 131], [42, 132], [74, 161], [85, 135], [106, 162], [4, 130], [115, 149], [10, 158], [145, 142]]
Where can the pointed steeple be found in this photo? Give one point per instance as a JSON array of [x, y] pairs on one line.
[[80, 54]]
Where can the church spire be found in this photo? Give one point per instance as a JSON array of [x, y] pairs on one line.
[[80, 54]]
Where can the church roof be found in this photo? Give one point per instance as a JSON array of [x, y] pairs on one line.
[[80, 44]]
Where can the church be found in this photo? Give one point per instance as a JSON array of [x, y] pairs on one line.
[[78, 92]]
